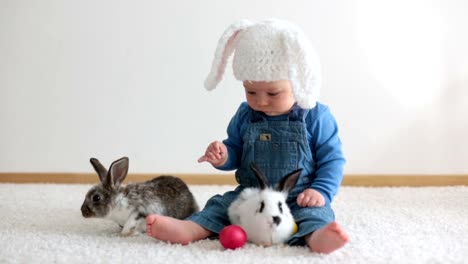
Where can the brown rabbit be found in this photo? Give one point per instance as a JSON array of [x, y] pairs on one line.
[[128, 205]]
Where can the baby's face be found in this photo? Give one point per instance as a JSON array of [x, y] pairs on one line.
[[272, 98]]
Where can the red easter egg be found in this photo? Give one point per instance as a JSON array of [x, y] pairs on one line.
[[232, 237]]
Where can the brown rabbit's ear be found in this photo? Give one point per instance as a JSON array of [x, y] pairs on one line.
[[118, 171], [261, 178], [99, 168], [289, 181]]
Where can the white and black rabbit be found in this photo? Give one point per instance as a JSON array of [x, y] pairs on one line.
[[263, 212], [128, 205]]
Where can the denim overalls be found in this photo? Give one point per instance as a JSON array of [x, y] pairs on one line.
[[278, 145]]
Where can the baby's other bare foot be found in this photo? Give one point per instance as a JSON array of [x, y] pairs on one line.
[[327, 239]]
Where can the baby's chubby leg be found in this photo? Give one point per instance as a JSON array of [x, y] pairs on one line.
[[185, 231], [174, 230], [327, 239]]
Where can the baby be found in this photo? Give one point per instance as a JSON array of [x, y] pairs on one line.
[[281, 127]]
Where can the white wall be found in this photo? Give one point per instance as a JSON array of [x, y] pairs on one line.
[[111, 78]]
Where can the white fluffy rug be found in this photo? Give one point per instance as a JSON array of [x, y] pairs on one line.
[[42, 223]]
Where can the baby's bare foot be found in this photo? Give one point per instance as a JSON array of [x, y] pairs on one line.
[[174, 230], [327, 239]]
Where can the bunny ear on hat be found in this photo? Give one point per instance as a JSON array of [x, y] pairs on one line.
[[225, 48], [304, 70]]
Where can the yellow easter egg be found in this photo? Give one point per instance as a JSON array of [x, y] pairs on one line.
[[295, 228]]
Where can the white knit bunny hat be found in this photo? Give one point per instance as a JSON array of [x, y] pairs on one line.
[[270, 50]]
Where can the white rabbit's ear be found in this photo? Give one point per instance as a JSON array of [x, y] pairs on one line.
[[99, 168], [226, 45], [117, 172], [261, 178], [289, 181]]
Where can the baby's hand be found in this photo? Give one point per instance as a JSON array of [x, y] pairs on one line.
[[310, 198], [216, 154]]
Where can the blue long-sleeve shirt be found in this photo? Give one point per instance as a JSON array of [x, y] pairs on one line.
[[324, 142]]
